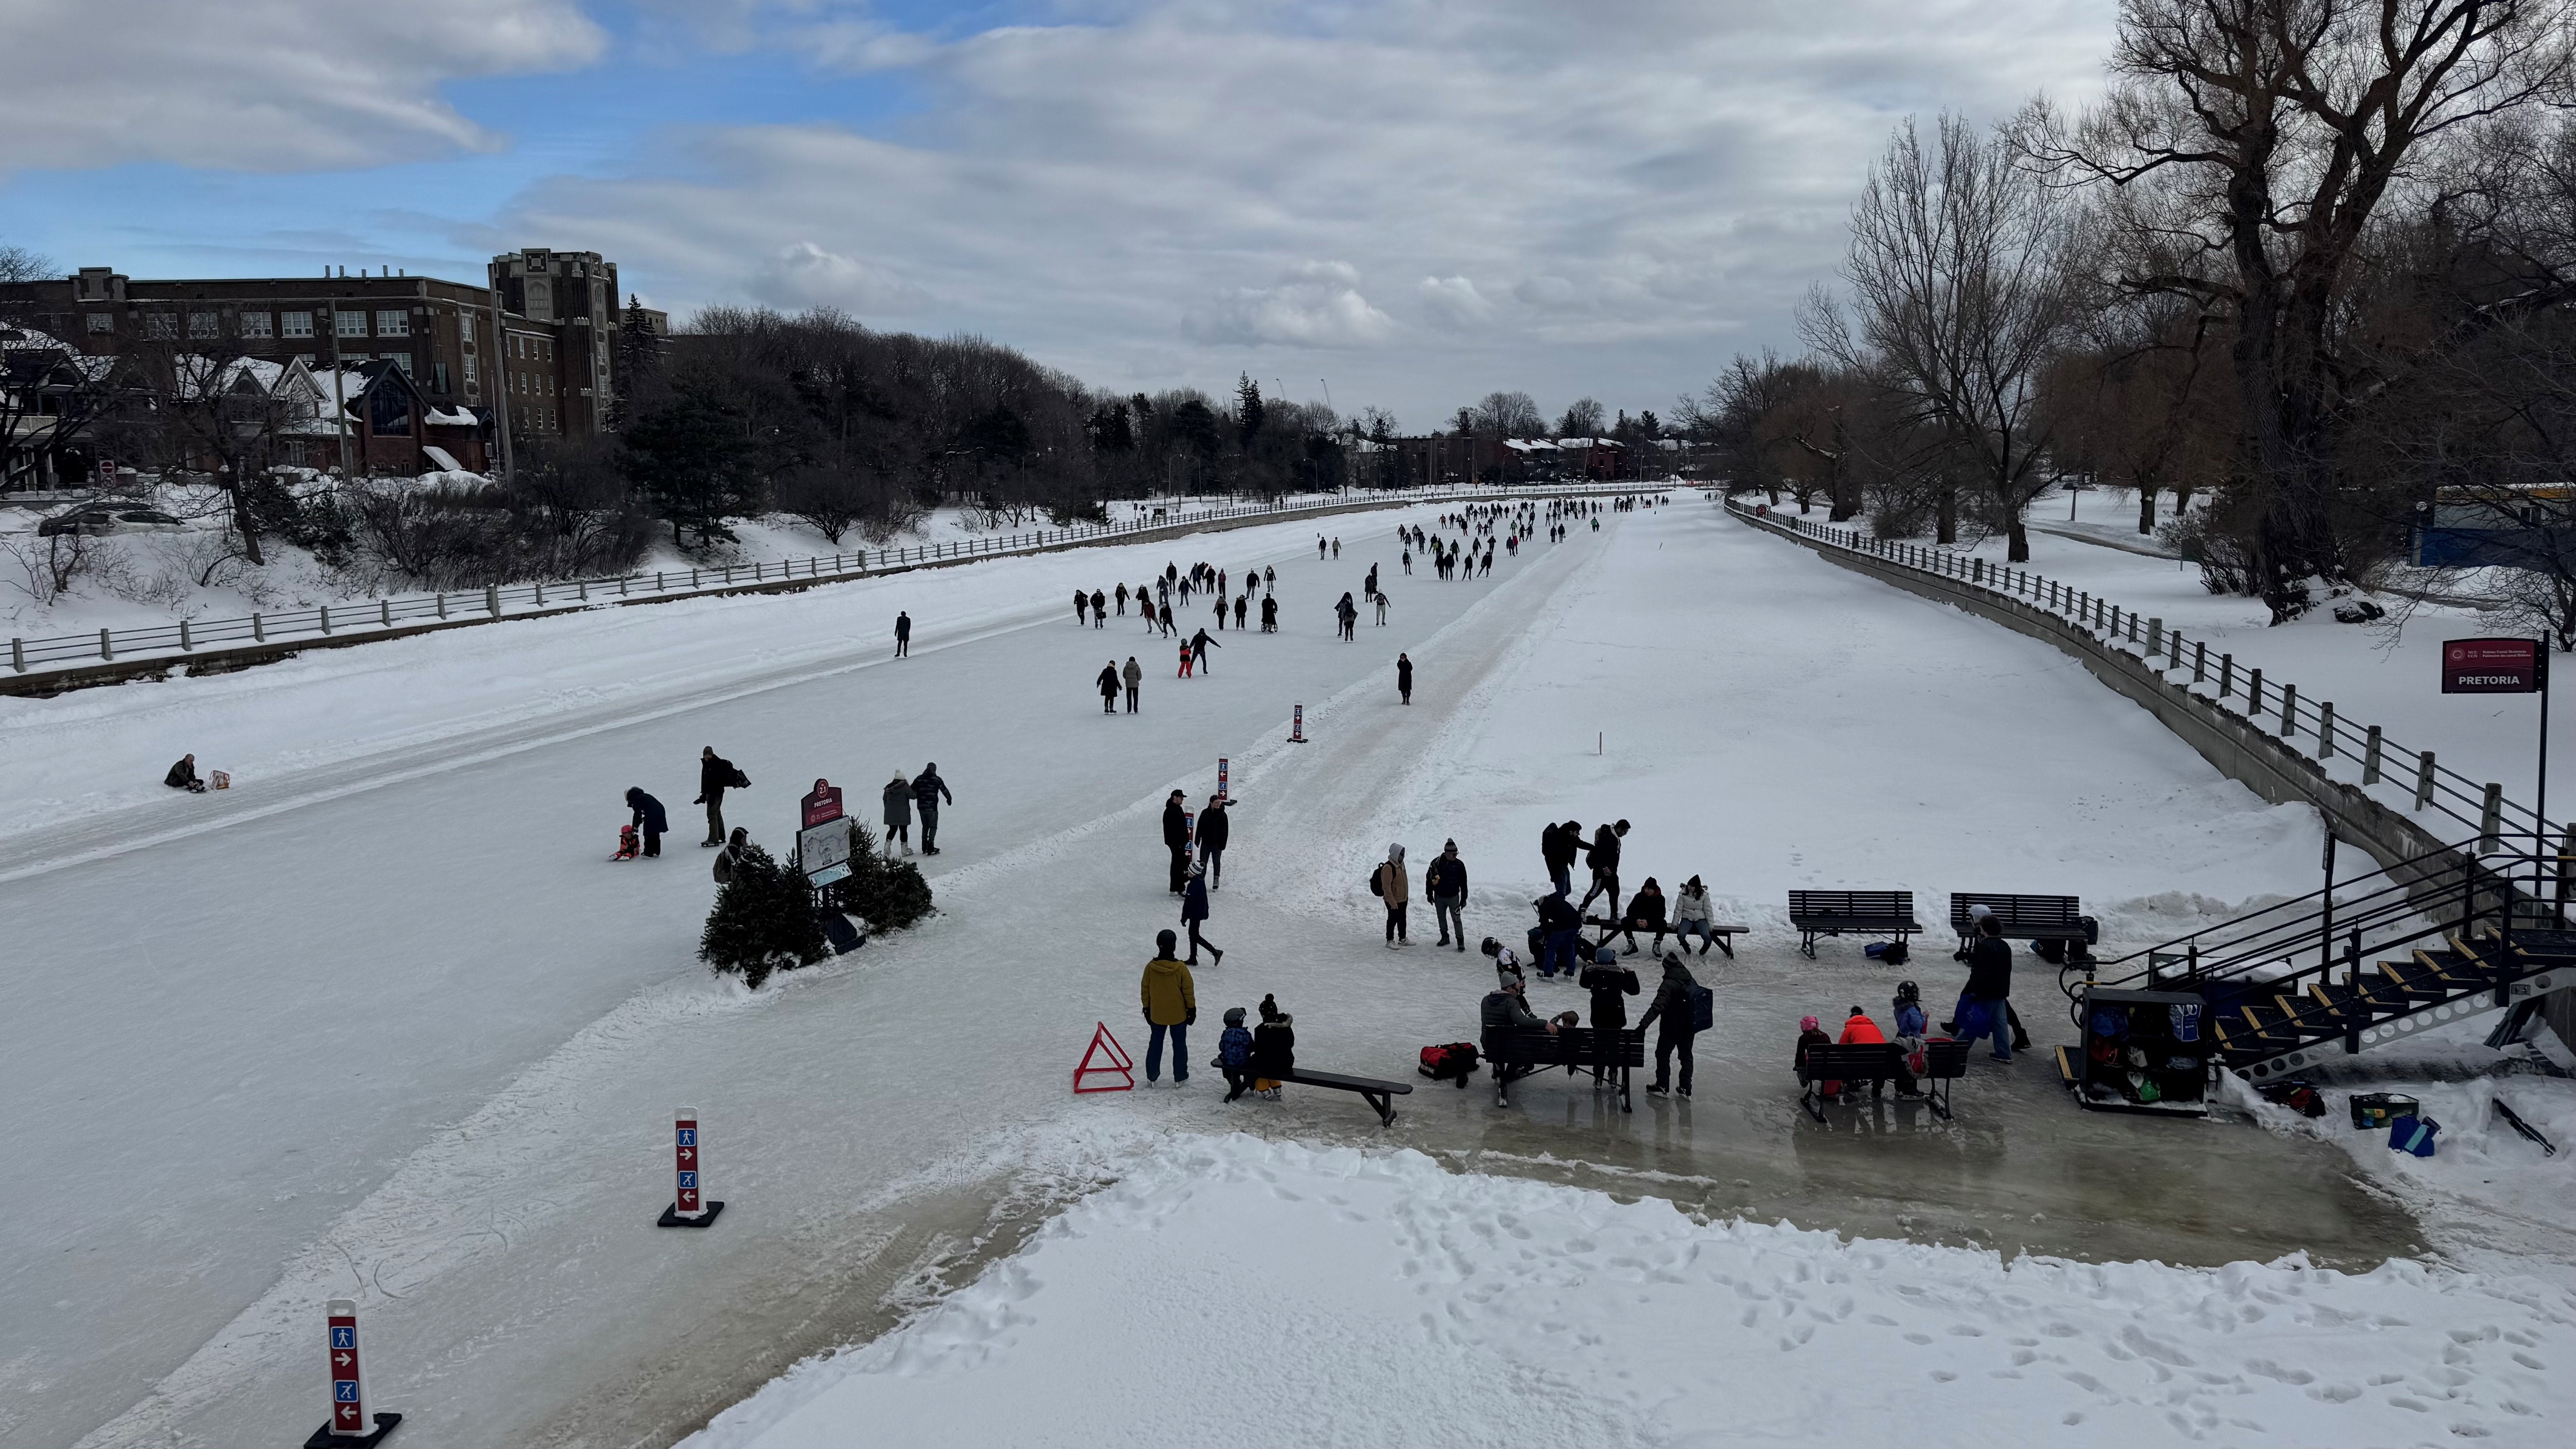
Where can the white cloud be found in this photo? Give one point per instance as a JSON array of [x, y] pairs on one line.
[[1314, 304], [263, 85], [1453, 300], [1602, 199], [802, 275]]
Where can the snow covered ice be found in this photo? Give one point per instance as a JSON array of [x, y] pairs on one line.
[[383, 1022]]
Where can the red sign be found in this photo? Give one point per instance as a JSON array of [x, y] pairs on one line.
[[348, 1391], [823, 806], [685, 1140], [2494, 666]]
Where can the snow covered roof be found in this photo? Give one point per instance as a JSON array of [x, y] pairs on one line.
[[443, 418]]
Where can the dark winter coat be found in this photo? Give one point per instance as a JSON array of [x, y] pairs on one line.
[[1605, 849], [1556, 913], [1176, 825], [1807, 1039], [1194, 905], [1505, 1012], [1558, 846], [181, 776], [898, 804], [1109, 682], [903, 626], [1646, 910], [716, 775], [1989, 969], [1607, 984], [1404, 675], [1200, 644], [1269, 609], [1234, 1049], [1446, 879], [1213, 828], [928, 790], [1672, 1005], [648, 813], [1274, 1049]]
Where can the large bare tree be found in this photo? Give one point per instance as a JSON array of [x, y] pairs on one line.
[[1958, 292], [2253, 144]]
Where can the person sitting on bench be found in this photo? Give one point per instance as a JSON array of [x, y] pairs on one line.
[[1858, 1028], [1691, 913], [1646, 910], [1506, 1012], [183, 776], [1811, 1034]]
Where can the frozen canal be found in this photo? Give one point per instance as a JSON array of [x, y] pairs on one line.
[[391, 1026]]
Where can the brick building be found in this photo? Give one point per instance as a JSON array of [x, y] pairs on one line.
[[544, 359]]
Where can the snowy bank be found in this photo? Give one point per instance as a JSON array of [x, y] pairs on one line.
[[1228, 1290]]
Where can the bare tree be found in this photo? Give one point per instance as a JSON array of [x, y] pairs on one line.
[[1584, 418], [1959, 293], [2253, 144]]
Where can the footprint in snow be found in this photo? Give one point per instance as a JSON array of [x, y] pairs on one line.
[[1942, 1376], [2336, 1393], [1917, 1338]]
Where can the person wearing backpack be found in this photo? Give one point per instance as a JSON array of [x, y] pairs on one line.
[[1395, 888], [731, 855], [1672, 1007], [716, 774]]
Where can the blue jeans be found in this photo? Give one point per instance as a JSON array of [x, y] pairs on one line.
[[1180, 1053], [1561, 877], [1560, 953], [2000, 1021]]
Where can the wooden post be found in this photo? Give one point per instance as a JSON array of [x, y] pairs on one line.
[[2370, 756], [2226, 675], [2325, 730], [2424, 779], [2289, 711]]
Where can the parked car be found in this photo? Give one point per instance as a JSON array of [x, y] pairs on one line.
[[95, 522]]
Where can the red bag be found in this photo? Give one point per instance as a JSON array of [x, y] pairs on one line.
[[1455, 1061]]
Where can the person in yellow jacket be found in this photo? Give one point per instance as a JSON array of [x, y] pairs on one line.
[[1171, 1002]]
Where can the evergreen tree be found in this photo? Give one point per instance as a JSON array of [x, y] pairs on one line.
[[887, 894], [764, 920], [691, 461], [638, 360], [1248, 410]]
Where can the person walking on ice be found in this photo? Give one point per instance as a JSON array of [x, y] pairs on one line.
[[898, 813], [1081, 608], [1200, 645], [1134, 675], [1404, 677], [1394, 888], [1381, 611], [716, 774], [902, 635], [1212, 828], [1194, 913], [927, 791], [1109, 687]]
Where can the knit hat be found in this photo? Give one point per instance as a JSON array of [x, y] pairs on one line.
[[1606, 956], [1234, 1016], [1807, 1023]]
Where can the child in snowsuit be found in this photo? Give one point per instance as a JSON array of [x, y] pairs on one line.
[[1812, 1035], [1234, 1054]]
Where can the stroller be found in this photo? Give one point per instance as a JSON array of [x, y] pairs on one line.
[[629, 844]]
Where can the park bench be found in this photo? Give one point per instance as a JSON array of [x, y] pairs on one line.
[[1376, 1092], [2035, 919], [1859, 913], [1878, 1063], [1526, 1051], [1608, 928]]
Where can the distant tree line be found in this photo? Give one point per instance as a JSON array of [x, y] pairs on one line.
[[2310, 261]]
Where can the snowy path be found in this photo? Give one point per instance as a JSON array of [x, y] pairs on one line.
[[416, 1042]]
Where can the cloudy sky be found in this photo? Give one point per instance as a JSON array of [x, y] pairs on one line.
[[1406, 202]]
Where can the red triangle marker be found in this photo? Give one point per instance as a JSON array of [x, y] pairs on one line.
[[1119, 1064]]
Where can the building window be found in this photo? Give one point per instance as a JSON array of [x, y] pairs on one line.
[[294, 324], [254, 324], [102, 321], [160, 326], [401, 360], [465, 321], [470, 378], [438, 377], [393, 324], [204, 326], [352, 324]]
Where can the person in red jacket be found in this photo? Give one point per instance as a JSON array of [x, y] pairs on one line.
[[1859, 1028]]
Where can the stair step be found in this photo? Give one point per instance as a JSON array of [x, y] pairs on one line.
[[2409, 980], [2341, 1004]]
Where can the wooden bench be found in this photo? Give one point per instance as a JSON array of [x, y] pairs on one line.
[[2025, 918], [1724, 933], [1859, 913], [1527, 1051], [1878, 1063], [1374, 1091]]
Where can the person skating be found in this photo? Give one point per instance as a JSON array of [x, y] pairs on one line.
[[1672, 1008], [1099, 614], [183, 776], [898, 813], [1241, 603], [1194, 914], [1269, 613], [1108, 685], [1269, 578], [1081, 608], [902, 635], [1213, 829], [927, 791], [648, 818], [1507, 964], [1605, 866], [1122, 601], [1185, 661], [1319, 548], [1404, 678], [1171, 1003], [1134, 678], [716, 774], [1394, 888], [1445, 881], [1176, 839], [1200, 644]]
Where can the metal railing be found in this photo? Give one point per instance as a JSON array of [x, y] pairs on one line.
[[180, 638], [2275, 706]]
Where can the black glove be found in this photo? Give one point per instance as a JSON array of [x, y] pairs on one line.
[[1192, 1019]]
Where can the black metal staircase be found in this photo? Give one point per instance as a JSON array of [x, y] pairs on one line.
[[2450, 936]]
